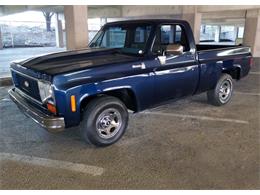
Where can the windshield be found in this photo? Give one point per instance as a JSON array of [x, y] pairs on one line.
[[128, 38]]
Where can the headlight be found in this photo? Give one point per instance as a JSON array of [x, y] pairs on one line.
[[45, 90]]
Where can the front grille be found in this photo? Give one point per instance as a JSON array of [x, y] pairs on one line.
[[27, 85]]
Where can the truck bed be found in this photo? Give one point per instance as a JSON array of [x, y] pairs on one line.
[[210, 47], [221, 52], [225, 57]]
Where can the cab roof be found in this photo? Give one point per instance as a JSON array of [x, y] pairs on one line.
[[151, 21]]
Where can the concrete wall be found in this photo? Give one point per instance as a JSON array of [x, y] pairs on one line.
[[150, 10], [104, 12], [218, 8], [234, 14], [252, 31]]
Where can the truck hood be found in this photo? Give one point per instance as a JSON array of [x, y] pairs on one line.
[[69, 61]]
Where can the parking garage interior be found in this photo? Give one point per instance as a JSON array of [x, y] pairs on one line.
[[186, 144]]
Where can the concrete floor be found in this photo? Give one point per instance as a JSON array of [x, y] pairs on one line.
[[11, 54], [183, 145]]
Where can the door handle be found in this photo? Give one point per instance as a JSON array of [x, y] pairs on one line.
[[137, 66], [142, 66]]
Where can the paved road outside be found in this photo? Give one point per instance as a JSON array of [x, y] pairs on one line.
[[12, 54], [183, 145]]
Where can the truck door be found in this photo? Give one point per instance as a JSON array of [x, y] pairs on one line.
[[177, 71]]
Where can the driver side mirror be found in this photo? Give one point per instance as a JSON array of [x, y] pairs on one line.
[[174, 49]]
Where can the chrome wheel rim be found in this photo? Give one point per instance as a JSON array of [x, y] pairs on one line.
[[225, 90], [108, 123]]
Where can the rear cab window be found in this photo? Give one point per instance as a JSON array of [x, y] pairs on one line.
[[170, 34]]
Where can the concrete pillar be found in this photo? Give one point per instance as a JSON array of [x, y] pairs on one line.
[[76, 21], [190, 14], [217, 34], [1, 41], [58, 31], [252, 31], [172, 37], [235, 33], [103, 21]]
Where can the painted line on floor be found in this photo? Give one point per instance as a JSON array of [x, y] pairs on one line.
[[198, 117], [5, 99], [255, 73], [245, 93], [49, 163]]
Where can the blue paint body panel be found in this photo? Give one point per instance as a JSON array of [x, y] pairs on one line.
[[89, 72]]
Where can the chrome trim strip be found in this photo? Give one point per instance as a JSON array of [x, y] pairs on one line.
[[51, 123]]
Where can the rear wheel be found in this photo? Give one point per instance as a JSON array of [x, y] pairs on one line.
[[223, 91], [105, 120]]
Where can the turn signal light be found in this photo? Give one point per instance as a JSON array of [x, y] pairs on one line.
[[73, 103], [52, 108]]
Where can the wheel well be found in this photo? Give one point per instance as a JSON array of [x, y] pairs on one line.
[[235, 73], [125, 95]]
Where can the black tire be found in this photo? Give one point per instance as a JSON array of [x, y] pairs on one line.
[[222, 92], [105, 120]]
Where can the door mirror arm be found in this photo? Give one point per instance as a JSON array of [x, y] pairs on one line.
[[164, 53], [162, 59]]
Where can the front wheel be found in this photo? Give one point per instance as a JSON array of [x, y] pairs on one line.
[[105, 120], [223, 91]]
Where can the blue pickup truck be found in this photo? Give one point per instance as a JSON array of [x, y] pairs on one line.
[[129, 65]]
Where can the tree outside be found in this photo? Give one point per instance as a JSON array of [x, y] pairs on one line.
[[48, 16]]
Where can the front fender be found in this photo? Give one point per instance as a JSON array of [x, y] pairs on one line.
[[81, 93]]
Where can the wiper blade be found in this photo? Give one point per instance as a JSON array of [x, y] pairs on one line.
[[118, 50]]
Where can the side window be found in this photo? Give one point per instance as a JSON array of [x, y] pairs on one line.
[[114, 37], [169, 35]]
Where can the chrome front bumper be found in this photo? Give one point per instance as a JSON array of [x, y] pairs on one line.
[[51, 123]]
